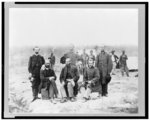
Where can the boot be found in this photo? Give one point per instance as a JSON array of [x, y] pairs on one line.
[[34, 99]]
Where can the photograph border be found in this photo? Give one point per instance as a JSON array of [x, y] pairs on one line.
[[78, 117]]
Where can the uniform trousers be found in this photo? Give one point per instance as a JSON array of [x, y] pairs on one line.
[[35, 86]]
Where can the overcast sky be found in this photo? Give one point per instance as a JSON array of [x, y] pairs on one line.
[[62, 26]]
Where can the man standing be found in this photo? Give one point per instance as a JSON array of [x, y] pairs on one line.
[[52, 60], [72, 55], [104, 64], [85, 58], [34, 66], [92, 56], [114, 60], [90, 80], [48, 78], [68, 79], [123, 64]]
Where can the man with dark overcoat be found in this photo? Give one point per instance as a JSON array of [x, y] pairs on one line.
[[104, 64], [34, 66]]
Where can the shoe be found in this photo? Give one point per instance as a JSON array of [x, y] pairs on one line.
[[63, 100], [56, 96], [113, 74], [84, 100], [99, 96], [53, 101], [105, 95], [38, 98], [34, 99], [72, 99]]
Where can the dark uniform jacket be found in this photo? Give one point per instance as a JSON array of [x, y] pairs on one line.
[[34, 65], [44, 75], [104, 64], [73, 72]]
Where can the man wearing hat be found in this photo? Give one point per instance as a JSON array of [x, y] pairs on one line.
[[114, 60], [123, 63], [34, 66], [104, 64]]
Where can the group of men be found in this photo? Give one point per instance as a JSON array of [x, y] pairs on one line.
[[96, 74]]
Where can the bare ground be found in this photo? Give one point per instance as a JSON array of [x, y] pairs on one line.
[[122, 97]]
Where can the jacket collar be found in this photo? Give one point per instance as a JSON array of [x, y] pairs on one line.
[[36, 55], [91, 67]]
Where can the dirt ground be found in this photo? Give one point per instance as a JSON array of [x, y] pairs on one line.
[[122, 97]]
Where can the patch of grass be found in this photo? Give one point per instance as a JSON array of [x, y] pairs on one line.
[[18, 105]]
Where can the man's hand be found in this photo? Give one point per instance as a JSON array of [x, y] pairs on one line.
[[43, 67], [69, 80], [72, 82], [63, 83], [89, 82], [30, 75], [51, 78], [31, 80], [83, 83]]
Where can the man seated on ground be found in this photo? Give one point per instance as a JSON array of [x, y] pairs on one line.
[[48, 84], [68, 78], [90, 80]]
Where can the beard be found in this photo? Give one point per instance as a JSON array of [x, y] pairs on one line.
[[47, 66], [68, 65], [36, 53], [90, 66]]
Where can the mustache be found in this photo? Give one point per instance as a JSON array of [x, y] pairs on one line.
[[47, 66]]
